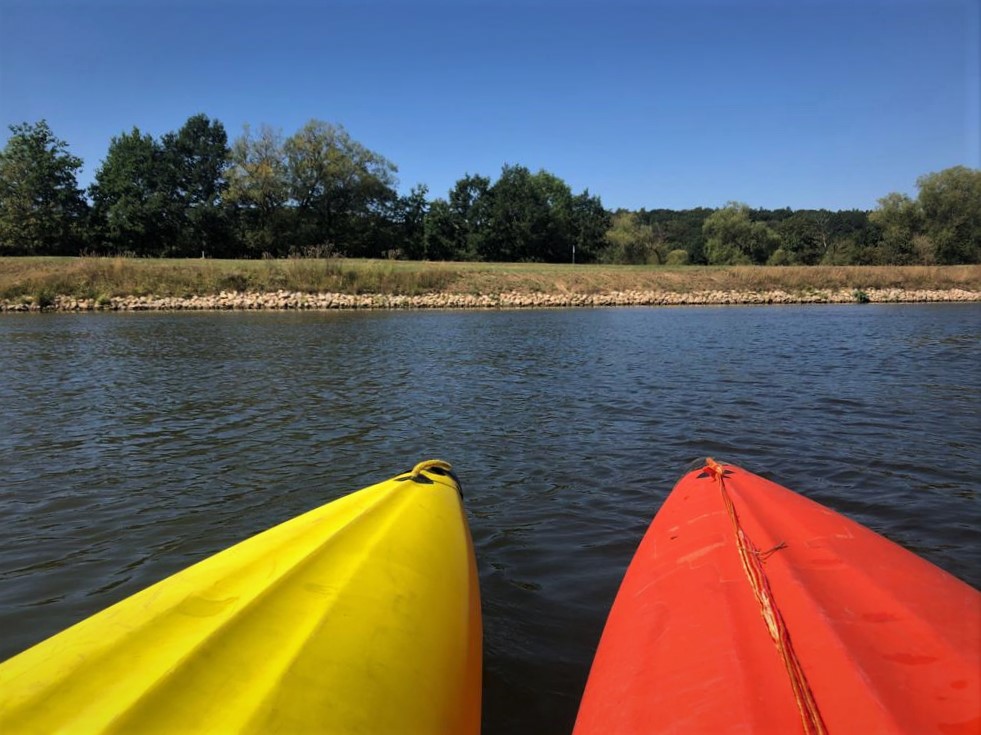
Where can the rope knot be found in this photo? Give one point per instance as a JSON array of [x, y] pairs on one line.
[[715, 469], [431, 464]]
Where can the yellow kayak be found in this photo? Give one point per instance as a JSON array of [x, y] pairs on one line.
[[362, 616]]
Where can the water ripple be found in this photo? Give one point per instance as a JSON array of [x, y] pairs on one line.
[[134, 445]]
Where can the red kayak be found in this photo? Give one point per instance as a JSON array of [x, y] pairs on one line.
[[751, 609]]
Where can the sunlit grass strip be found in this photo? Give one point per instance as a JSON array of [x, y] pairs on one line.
[[104, 278], [42, 280]]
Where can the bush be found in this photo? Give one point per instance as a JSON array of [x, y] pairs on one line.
[[44, 297], [780, 257], [677, 257]]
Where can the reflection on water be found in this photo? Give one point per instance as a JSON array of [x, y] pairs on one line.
[[133, 445]]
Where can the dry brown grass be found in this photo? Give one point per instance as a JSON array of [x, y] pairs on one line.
[[41, 279], [494, 278], [96, 278]]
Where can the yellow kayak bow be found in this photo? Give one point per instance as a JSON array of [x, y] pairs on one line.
[[362, 616]]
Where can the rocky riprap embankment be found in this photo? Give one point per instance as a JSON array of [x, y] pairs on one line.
[[285, 300]]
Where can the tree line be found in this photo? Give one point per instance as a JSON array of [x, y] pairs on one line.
[[319, 192]]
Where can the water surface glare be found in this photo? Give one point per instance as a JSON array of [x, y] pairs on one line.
[[132, 445]]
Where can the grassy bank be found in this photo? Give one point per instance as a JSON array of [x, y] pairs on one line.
[[103, 278], [95, 278]]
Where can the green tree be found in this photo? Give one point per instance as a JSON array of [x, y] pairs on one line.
[[258, 189], [732, 238], [802, 239], [516, 218], [851, 237], [195, 159], [630, 242], [132, 203], [454, 226], [441, 237], [341, 189], [410, 220], [529, 218], [899, 219], [42, 210], [521, 217], [556, 235], [589, 221], [469, 209], [680, 229], [950, 204]]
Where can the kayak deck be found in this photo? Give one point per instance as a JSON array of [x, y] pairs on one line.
[[360, 616], [749, 608]]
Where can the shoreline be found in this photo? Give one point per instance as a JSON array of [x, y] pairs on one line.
[[301, 301]]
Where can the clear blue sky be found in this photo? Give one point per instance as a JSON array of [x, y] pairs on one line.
[[665, 103]]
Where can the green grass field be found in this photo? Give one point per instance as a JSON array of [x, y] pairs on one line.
[[99, 278]]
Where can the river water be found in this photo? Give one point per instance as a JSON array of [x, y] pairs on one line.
[[132, 445]]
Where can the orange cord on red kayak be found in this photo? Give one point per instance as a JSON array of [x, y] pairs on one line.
[[752, 560]]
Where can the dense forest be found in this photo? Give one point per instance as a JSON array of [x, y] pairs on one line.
[[319, 192]]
